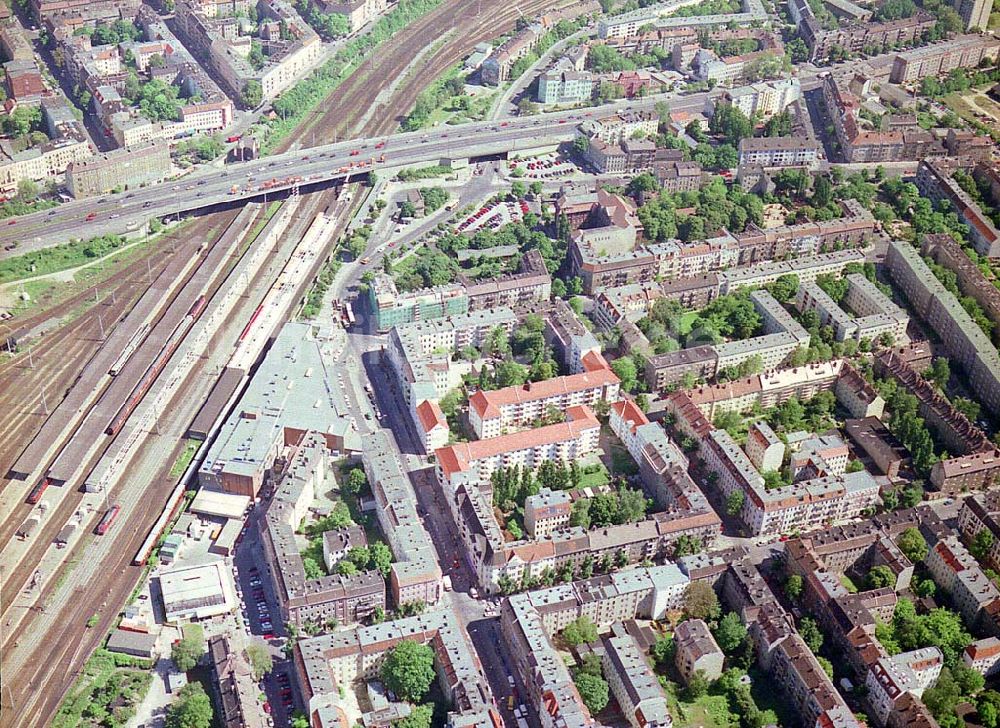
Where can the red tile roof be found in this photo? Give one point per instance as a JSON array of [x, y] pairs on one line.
[[489, 404], [430, 415], [459, 457]]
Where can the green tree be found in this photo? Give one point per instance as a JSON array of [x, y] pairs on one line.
[[419, 717], [697, 685], [580, 631], [700, 601], [187, 651], [624, 367], [381, 558], [360, 556], [730, 633], [734, 502], [981, 544], [356, 481], [663, 651], [880, 576], [912, 543], [793, 587], [408, 670], [260, 660], [580, 515], [192, 709], [593, 691], [811, 634], [252, 94]]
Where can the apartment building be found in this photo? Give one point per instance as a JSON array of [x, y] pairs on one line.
[[414, 575], [495, 411], [764, 99], [631, 680], [563, 442], [861, 145], [908, 672], [302, 600], [764, 448], [983, 656], [974, 13], [956, 572], [358, 12], [872, 312], [779, 151], [546, 511], [392, 308], [939, 59], [67, 144], [422, 357], [627, 157], [945, 250], [121, 169], [802, 505], [934, 180], [326, 666], [565, 85], [528, 621], [968, 345], [530, 285], [875, 440], [621, 127], [981, 511], [677, 176], [855, 36], [660, 18], [289, 53], [697, 650]]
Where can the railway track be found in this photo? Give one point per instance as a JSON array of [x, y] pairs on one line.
[[40, 683], [61, 665], [69, 495], [58, 358], [473, 22]]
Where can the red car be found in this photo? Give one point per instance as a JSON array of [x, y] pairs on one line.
[[267, 707], [91, 216], [269, 636], [355, 152], [12, 222]]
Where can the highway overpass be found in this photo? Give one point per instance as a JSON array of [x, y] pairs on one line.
[[210, 188]]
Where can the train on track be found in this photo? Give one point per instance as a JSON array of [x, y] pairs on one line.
[[108, 519], [36, 493], [129, 350], [156, 367]]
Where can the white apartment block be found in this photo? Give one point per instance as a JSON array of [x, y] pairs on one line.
[[766, 98], [563, 442], [491, 413]]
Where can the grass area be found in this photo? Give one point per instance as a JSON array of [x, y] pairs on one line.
[[410, 174], [295, 104], [58, 258], [596, 479], [106, 693], [708, 711], [184, 459], [958, 103], [685, 322], [848, 584], [773, 707], [621, 461]]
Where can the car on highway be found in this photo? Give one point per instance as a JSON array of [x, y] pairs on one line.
[[91, 216], [12, 222]]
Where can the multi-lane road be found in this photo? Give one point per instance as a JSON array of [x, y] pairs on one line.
[[120, 213]]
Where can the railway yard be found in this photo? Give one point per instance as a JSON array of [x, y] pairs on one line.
[[195, 312]]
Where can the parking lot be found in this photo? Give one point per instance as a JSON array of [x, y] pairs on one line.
[[494, 216], [548, 166]]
